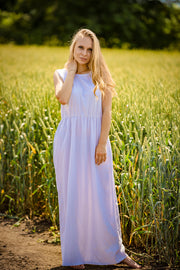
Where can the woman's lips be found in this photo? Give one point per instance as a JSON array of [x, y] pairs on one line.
[[83, 59]]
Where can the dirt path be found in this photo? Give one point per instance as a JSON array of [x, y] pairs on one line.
[[26, 246], [34, 245]]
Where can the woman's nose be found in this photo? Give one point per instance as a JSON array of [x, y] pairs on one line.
[[84, 52]]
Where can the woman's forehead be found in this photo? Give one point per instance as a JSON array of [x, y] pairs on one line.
[[85, 41]]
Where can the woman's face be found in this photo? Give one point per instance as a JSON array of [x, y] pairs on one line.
[[83, 50]]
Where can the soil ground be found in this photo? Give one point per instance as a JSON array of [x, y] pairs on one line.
[[35, 244]]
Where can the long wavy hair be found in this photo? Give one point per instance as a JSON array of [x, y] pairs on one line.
[[101, 75]]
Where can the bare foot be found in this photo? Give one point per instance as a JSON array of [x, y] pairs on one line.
[[131, 263], [81, 266]]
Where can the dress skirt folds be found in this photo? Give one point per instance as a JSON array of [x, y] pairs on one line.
[[89, 217]]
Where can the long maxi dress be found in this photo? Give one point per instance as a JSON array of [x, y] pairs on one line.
[[89, 217]]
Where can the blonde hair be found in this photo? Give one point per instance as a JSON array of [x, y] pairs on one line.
[[101, 76]]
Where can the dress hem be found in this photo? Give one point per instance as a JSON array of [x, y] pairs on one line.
[[96, 263]]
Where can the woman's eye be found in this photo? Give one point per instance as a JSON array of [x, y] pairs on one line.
[[80, 47], [90, 50]]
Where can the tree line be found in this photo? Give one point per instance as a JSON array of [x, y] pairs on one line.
[[120, 23]]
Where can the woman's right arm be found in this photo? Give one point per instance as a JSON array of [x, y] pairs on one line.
[[63, 89]]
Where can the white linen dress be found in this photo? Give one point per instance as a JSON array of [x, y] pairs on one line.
[[89, 217]]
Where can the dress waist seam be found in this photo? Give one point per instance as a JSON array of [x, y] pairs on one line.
[[80, 116]]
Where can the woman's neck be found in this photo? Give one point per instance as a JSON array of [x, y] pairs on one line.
[[82, 69]]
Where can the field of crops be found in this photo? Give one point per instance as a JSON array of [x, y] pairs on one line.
[[144, 136]]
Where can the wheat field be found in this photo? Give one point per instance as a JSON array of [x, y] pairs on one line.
[[144, 137]]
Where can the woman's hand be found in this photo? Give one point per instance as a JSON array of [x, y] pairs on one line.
[[72, 66], [100, 153]]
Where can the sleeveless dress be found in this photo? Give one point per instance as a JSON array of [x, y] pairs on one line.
[[89, 217]]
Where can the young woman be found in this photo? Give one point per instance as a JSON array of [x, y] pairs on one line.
[[89, 218]]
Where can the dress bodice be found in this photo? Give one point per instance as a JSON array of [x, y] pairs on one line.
[[82, 101]]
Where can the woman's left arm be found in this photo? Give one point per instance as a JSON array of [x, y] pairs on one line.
[[101, 152]]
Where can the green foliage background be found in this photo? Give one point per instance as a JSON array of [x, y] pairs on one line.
[[120, 23]]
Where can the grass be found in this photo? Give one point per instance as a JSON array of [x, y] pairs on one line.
[[144, 137]]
